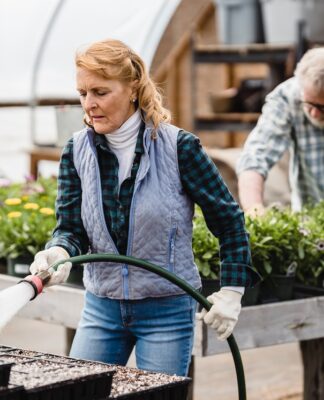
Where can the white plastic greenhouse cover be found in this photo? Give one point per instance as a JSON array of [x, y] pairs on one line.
[[139, 23]]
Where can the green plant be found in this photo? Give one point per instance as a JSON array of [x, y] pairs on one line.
[[205, 248], [280, 240], [311, 269], [275, 241], [26, 216]]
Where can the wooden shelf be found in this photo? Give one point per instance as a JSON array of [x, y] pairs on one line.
[[274, 56], [253, 53], [39, 153]]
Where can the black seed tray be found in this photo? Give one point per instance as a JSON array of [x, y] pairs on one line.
[[50, 377], [8, 358], [12, 392], [171, 391], [5, 348], [5, 369], [132, 383], [91, 387], [76, 379]]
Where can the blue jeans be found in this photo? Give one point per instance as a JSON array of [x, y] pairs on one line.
[[161, 329]]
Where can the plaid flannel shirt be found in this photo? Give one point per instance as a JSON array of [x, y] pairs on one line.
[[201, 181], [283, 125]]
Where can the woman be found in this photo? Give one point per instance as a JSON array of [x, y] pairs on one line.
[[127, 184]]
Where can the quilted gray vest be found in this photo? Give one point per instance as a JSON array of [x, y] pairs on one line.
[[160, 224]]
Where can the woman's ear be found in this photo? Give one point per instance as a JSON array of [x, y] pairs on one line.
[[134, 86]]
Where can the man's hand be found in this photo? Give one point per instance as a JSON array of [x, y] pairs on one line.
[[224, 313], [256, 210], [44, 259]]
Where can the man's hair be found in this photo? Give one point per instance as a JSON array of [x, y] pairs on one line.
[[310, 69]]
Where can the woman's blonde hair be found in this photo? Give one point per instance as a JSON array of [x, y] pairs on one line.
[[113, 59]]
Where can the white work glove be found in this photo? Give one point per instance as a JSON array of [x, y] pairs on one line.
[[224, 312], [45, 258]]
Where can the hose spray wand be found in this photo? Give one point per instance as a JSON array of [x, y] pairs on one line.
[[39, 280]]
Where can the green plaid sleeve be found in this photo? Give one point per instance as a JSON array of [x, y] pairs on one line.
[[69, 232], [224, 218]]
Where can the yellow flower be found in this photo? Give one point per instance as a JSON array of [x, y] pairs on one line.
[[31, 206], [46, 211], [24, 198], [14, 214], [13, 201]]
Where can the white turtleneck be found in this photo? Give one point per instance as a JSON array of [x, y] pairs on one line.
[[122, 142]]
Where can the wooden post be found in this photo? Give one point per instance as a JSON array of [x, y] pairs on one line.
[[313, 359], [69, 336]]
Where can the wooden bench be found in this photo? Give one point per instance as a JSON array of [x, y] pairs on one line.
[[263, 325]]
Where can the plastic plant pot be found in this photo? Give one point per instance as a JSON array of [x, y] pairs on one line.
[[251, 296], [302, 291], [19, 266], [277, 288], [209, 286]]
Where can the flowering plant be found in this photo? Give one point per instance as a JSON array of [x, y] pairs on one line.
[[27, 216]]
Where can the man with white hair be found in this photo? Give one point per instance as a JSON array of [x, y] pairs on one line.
[[292, 118]]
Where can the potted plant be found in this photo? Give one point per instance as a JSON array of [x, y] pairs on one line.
[[285, 246], [26, 221], [206, 253], [311, 270]]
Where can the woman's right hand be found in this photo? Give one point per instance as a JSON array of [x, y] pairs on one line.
[[45, 258]]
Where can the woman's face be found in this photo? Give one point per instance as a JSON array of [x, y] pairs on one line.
[[107, 102], [313, 104]]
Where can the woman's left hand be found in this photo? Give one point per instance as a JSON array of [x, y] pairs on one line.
[[224, 312]]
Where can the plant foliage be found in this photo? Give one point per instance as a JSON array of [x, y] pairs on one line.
[[281, 241], [27, 216]]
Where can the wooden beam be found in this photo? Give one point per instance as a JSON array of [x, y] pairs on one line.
[[42, 102], [271, 324], [182, 43]]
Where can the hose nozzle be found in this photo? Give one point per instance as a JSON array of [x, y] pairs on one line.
[[37, 281]]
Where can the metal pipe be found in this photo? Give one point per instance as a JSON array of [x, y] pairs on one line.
[[36, 65], [103, 257]]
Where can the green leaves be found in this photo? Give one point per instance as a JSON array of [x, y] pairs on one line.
[[205, 248], [282, 237], [278, 239], [26, 216]]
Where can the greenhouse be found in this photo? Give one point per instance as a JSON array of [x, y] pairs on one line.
[[162, 199]]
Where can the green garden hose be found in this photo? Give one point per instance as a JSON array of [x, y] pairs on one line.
[[103, 257]]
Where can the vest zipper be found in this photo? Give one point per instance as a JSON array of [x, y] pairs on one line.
[[171, 248]]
